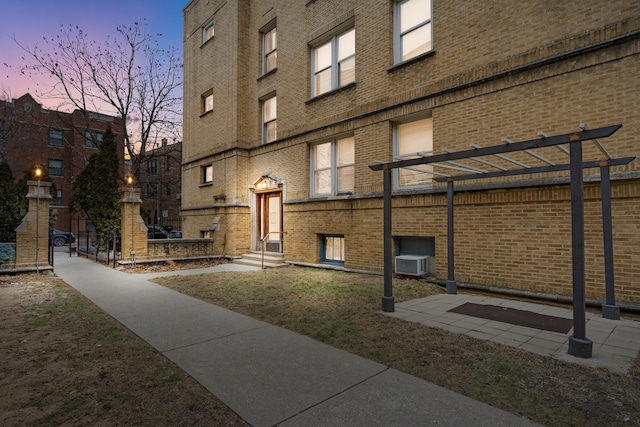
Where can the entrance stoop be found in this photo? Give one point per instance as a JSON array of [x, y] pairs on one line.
[[254, 259]]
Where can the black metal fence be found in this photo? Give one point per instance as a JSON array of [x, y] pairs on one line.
[[104, 247]]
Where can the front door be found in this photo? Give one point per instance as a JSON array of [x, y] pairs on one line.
[[270, 221]]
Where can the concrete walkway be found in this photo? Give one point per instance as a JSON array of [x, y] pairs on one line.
[[266, 374]]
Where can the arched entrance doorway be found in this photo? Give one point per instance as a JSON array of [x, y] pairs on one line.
[[267, 215]]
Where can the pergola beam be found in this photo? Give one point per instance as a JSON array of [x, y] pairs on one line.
[[535, 170], [498, 149]]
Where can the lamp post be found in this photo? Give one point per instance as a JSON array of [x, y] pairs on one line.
[[129, 180], [38, 174]]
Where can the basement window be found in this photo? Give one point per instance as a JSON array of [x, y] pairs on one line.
[[332, 249]]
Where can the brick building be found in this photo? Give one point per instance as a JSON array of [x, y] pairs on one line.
[[160, 178], [59, 142], [288, 103]]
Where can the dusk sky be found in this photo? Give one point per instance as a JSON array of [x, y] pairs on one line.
[[31, 20]]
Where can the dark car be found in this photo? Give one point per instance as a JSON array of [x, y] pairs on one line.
[[61, 238], [156, 232]]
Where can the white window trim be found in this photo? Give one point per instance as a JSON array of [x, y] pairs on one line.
[[205, 96], [397, 157], [334, 168], [266, 122], [266, 30], [335, 64], [204, 180], [205, 31], [397, 35]]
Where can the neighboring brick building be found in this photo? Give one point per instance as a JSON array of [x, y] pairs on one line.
[[160, 179], [280, 131], [59, 142]]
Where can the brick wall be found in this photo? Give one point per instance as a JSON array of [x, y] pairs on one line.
[[493, 74], [180, 248]]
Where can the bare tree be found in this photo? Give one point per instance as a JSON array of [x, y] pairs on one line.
[[128, 75]]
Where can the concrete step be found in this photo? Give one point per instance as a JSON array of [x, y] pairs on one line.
[[254, 259]]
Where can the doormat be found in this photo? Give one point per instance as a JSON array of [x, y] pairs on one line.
[[515, 317]]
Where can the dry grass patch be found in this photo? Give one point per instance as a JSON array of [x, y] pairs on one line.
[[65, 362], [343, 310]]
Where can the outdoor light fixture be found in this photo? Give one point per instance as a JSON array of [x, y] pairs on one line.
[[38, 173], [129, 180]]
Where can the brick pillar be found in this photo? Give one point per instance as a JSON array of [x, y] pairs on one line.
[[134, 231], [33, 231]]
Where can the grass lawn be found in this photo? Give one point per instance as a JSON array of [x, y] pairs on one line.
[[64, 362], [343, 310]]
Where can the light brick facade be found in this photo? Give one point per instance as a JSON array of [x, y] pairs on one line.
[[496, 70]]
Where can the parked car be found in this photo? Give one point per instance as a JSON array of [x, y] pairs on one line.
[[156, 232], [175, 234], [61, 238]]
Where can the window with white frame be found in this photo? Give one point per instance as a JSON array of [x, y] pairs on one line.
[[332, 249], [269, 50], [334, 62], [207, 174], [207, 31], [56, 138], [92, 139], [413, 140], [207, 101], [413, 29], [269, 122], [55, 167], [333, 167]]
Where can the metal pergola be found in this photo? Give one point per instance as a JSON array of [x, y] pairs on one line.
[[579, 344]]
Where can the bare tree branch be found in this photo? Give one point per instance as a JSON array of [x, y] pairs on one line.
[[127, 75]]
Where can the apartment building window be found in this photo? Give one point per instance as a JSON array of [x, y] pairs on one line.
[[269, 52], [413, 29], [168, 189], [152, 189], [57, 199], [152, 166], [334, 62], [333, 170], [207, 31], [92, 139], [55, 167], [332, 249], [269, 122], [412, 140], [207, 101], [56, 138], [207, 174]]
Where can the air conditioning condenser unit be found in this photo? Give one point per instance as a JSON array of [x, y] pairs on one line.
[[414, 265]]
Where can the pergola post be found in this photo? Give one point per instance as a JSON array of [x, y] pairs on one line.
[[579, 345], [387, 299], [451, 285], [609, 310]]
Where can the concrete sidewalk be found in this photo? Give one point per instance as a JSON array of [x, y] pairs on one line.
[[266, 374]]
